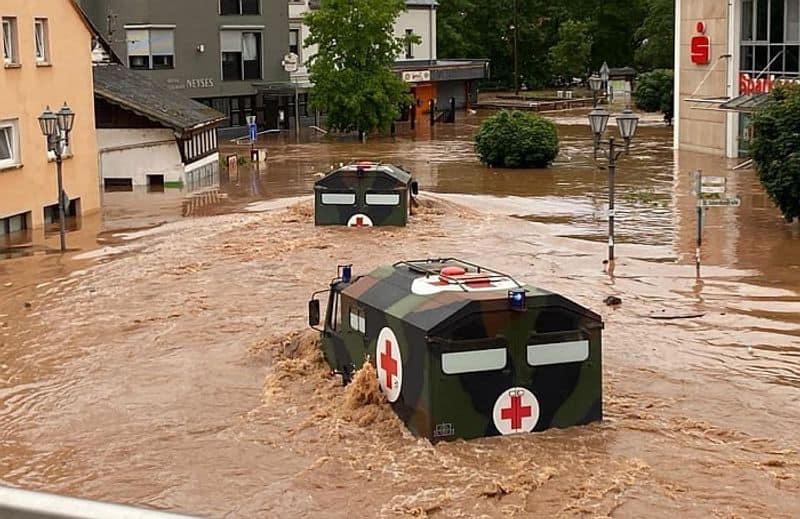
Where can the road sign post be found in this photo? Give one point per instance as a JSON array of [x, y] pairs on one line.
[[710, 192]]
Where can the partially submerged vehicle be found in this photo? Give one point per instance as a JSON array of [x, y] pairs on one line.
[[364, 194], [462, 351]]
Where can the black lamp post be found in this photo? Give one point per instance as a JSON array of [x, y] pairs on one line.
[[627, 123], [56, 128], [596, 84]]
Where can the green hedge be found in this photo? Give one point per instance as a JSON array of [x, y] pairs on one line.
[[775, 148], [655, 91], [517, 140]]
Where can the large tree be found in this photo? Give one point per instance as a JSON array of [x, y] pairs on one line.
[[657, 35], [570, 56], [353, 83]]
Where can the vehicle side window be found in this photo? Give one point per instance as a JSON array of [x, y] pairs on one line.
[[383, 199], [558, 353], [358, 321], [338, 198], [474, 361], [335, 317]]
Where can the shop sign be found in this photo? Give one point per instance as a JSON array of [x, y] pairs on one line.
[[416, 76], [763, 85], [701, 46]]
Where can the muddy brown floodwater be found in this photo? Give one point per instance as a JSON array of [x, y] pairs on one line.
[[164, 363]]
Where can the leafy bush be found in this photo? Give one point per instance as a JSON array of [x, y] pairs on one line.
[[775, 148], [655, 91], [517, 140]]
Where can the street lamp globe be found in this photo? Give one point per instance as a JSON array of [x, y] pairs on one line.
[[627, 123], [598, 120], [66, 118], [595, 83], [48, 122]]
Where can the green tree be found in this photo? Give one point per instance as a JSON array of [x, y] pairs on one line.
[[353, 82], [517, 140], [657, 35], [570, 56], [655, 91], [775, 148]]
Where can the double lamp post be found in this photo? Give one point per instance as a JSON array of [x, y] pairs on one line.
[[56, 128], [627, 123]]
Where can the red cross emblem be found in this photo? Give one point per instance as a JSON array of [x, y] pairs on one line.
[[516, 411], [388, 364], [359, 221]]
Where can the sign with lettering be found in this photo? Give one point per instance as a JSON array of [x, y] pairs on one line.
[[416, 76], [701, 46], [200, 83], [763, 85], [719, 202]]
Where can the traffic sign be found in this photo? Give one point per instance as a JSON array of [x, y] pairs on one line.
[[290, 62], [712, 190], [719, 202], [253, 131]]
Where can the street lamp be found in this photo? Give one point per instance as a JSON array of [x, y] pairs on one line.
[[56, 128], [627, 123], [596, 84]]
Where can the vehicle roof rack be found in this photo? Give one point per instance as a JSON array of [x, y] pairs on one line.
[[433, 268]]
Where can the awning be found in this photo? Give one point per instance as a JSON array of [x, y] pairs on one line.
[[745, 104]]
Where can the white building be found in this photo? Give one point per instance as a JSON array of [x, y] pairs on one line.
[[428, 77]]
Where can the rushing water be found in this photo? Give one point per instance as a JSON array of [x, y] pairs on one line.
[[158, 363]]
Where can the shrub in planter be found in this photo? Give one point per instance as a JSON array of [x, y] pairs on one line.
[[655, 91], [517, 140], [775, 148]]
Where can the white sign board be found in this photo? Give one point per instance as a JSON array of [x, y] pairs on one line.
[[416, 76], [720, 202], [290, 62], [712, 190]]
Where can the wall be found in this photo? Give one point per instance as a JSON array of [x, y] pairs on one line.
[[27, 90], [198, 22], [423, 22], [296, 12], [135, 154], [698, 128]]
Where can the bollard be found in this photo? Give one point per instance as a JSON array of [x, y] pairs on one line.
[[432, 105]]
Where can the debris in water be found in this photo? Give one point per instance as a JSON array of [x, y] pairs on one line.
[[612, 301]]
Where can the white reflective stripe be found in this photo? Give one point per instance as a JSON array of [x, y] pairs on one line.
[[338, 198], [378, 199], [558, 353], [473, 361]]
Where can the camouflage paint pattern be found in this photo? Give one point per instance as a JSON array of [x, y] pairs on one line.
[[357, 181], [441, 406]]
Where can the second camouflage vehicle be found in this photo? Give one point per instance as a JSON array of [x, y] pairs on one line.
[[462, 351]]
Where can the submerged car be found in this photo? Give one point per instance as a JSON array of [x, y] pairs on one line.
[[463, 351], [364, 194]]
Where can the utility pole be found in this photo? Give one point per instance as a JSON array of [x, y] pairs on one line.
[[612, 173], [516, 56]]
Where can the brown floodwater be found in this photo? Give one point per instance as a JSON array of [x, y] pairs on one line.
[[161, 362]]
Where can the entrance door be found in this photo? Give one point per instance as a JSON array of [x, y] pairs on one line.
[[424, 92], [270, 114]]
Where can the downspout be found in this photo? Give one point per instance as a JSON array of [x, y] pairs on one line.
[[676, 131], [430, 33]]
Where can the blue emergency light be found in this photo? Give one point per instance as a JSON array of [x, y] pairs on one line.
[[346, 273], [518, 299]]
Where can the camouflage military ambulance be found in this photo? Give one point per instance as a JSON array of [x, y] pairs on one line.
[[365, 194], [462, 351]]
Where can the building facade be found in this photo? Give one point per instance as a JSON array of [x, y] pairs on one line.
[[728, 54], [224, 53], [428, 77], [46, 61]]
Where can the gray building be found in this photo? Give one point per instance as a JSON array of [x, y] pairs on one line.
[[224, 53]]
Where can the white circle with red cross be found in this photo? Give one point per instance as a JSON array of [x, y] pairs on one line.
[[389, 364], [516, 411], [360, 220]]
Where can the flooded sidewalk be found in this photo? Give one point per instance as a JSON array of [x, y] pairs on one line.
[[170, 367]]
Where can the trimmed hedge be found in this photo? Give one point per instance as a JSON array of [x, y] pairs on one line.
[[655, 92], [517, 140]]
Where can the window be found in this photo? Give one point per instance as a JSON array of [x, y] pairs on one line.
[[294, 41], [241, 55], [15, 223], [41, 38], [151, 48], [338, 198], [792, 21], [409, 44], [9, 143], [558, 353], [239, 7], [333, 311], [358, 320], [383, 199], [474, 361], [10, 54]]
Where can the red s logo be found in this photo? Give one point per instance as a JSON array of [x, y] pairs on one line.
[[701, 46]]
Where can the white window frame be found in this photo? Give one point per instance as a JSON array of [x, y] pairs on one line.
[[150, 54], [333, 196], [41, 35], [475, 361], [10, 39], [13, 139], [383, 199], [299, 30]]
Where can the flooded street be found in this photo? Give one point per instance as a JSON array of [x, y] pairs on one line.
[[164, 361]]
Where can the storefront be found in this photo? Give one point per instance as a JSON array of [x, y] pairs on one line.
[[727, 54]]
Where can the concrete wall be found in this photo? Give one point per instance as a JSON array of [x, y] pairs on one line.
[[699, 127], [26, 90], [423, 23], [135, 154], [197, 22]]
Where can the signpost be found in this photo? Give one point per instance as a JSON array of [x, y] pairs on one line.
[[710, 192], [290, 64], [252, 130]]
